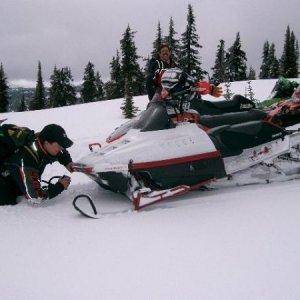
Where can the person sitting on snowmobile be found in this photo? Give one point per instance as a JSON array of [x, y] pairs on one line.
[[23, 158], [162, 61], [174, 81], [158, 65]]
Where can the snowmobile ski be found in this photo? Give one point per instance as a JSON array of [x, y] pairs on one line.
[[146, 197], [89, 209], [141, 199]]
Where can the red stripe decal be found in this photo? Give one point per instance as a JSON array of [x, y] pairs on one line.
[[174, 161]]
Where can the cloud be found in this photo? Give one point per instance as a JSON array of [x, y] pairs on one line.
[[73, 32], [32, 84], [22, 83]]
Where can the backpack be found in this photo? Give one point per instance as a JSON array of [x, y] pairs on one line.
[[12, 138]]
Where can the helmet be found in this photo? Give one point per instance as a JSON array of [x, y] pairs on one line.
[[171, 78], [175, 80]]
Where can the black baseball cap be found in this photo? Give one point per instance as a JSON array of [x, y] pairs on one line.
[[55, 133]]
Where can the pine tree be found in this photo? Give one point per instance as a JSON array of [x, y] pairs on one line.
[[288, 61], [251, 74], [108, 90], [251, 93], [146, 65], [273, 63], [236, 61], [62, 91], [22, 106], [265, 66], [54, 90], [99, 87], [139, 83], [172, 42], [294, 57], [130, 67], [69, 92], [158, 41], [285, 61], [115, 87], [38, 102], [297, 57], [219, 69], [228, 93], [128, 108], [190, 61], [89, 90], [3, 91]]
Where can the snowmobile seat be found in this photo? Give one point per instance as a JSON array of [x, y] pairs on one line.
[[232, 140], [251, 134], [237, 104], [258, 129], [217, 130], [232, 118], [215, 135], [238, 101]]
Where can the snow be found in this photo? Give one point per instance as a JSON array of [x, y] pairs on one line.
[[230, 243], [262, 88]]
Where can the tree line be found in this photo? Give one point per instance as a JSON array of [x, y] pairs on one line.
[[231, 65], [127, 77]]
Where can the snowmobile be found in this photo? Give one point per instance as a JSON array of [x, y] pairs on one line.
[[284, 114], [211, 114], [166, 151]]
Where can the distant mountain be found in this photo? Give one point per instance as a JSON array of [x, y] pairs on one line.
[[16, 94]]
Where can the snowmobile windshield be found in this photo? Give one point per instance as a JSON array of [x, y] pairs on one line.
[[155, 117]]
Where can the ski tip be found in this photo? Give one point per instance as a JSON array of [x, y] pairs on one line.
[[82, 207]]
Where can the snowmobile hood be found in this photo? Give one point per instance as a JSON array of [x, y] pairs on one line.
[[185, 141]]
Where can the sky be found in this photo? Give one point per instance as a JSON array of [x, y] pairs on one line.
[[73, 32]]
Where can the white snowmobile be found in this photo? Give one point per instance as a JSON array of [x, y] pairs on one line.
[[166, 152]]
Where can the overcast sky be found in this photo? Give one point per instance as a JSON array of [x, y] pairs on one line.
[[72, 32]]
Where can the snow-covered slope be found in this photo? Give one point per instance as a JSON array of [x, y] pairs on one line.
[[231, 243], [261, 88]]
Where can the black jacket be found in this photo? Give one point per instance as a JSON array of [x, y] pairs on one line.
[[155, 66], [25, 168]]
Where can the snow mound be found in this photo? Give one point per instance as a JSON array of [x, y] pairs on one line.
[[231, 243]]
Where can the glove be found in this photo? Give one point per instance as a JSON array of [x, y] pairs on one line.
[[164, 94], [158, 74], [70, 167], [65, 181], [216, 91], [202, 87], [55, 189]]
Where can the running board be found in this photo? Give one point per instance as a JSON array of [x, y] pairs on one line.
[[146, 197], [262, 153]]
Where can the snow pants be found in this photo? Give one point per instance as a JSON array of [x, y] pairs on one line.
[[8, 193]]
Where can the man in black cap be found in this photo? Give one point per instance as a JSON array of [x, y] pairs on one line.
[[20, 173]]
